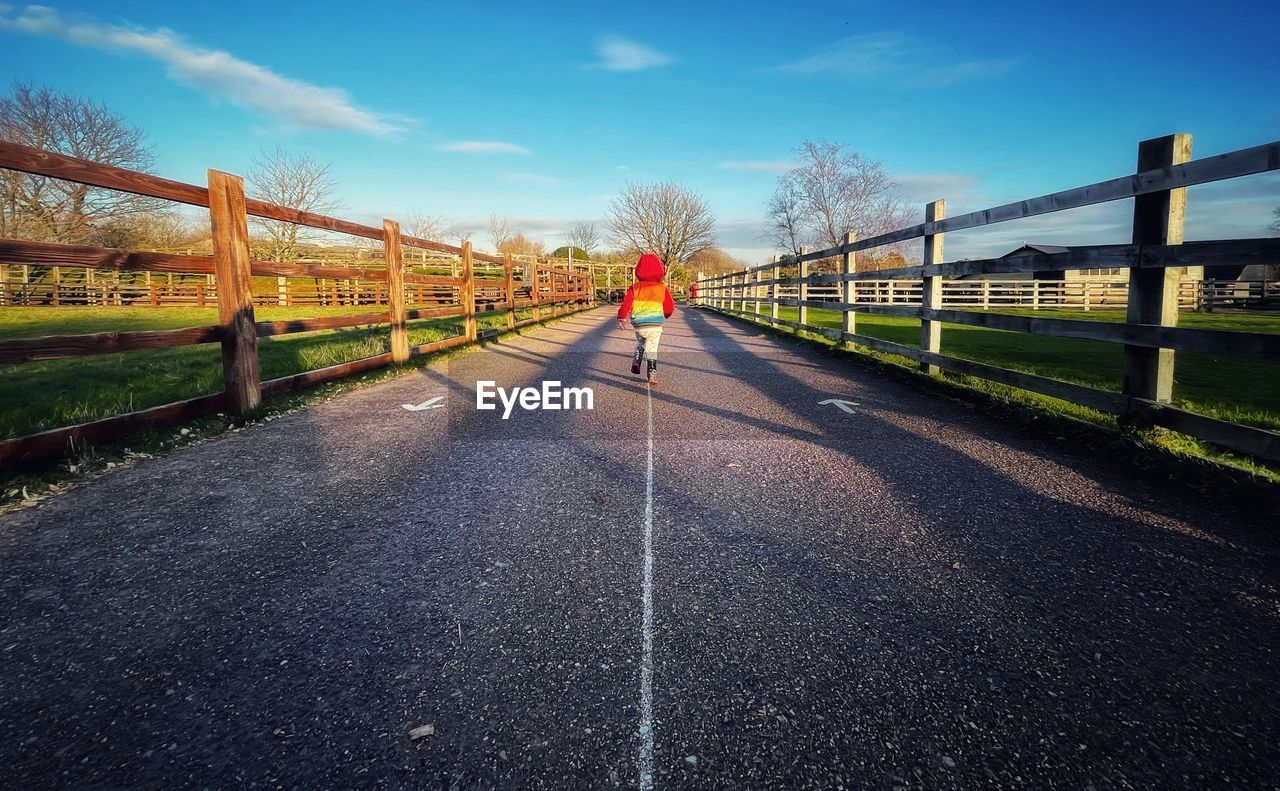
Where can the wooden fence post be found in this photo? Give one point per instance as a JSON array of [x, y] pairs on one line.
[[757, 276], [1153, 293], [468, 292], [931, 287], [393, 253], [510, 265], [234, 282], [849, 292], [802, 312], [533, 292], [774, 288]]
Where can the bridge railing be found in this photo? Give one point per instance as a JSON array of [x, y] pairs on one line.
[[1155, 259], [404, 296]]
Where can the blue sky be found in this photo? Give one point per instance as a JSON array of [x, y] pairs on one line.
[[542, 111]]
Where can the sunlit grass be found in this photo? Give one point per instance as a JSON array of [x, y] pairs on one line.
[[48, 394], [1238, 389], [1241, 389]]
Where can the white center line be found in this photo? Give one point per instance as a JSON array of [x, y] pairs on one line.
[[646, 632]]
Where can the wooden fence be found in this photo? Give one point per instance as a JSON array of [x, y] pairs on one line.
[[62, 287], [1034, 294], [1154, 257], [548, 292]]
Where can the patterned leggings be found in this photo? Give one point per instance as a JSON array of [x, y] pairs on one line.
[[647, 341]]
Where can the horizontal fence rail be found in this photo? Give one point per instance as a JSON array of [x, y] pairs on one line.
[[389, 295], [1153, 290]]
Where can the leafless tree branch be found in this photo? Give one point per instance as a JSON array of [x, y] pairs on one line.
[[46, 209], [297, 182], [668, 219]]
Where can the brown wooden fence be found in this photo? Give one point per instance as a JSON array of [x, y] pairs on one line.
[[548, 292], [1154, 259]]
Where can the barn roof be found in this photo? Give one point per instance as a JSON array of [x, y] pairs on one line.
[[1028, 247]]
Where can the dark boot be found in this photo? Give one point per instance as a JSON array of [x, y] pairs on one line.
[[653, 372], [636, 359]]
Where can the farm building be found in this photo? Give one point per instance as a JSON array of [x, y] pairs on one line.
[[1110, 275]]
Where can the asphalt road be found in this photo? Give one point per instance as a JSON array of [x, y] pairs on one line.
[[914, 595]]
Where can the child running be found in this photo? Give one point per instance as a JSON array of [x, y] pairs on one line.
[[649, 304]]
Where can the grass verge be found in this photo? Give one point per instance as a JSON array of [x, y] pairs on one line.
[[1237, 389]]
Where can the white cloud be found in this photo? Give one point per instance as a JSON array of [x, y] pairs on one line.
[[743, 234], [619, 54], [925, 187], [213, 71], [779, 166], [483, 147], [896, 58]]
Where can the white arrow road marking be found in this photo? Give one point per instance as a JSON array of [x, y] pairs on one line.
[[430, 404], [847, 406]]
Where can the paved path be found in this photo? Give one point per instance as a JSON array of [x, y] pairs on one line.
[[914, 595]]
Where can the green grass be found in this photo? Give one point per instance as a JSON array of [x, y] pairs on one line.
[[1241, 389], [41, 395]]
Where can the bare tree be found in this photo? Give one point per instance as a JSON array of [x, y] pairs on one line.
[[668, 219], [499, 230], [714, 261], [427, 226], [519, 244], [832, 192], [167, 231], [45, 209], [296, 182], [785, 216], [584, 236]]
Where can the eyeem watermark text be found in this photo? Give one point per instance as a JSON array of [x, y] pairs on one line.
[[550, 396]]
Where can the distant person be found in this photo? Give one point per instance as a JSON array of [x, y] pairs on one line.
[[693, 293], [649, 304]]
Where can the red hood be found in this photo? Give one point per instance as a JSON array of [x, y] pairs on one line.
[[650, 268]]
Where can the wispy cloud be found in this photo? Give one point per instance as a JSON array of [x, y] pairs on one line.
[[925, 187], [742, 234], [778, 166], [483, 147], [897, 58], [615, 53], [529, 178], [213, 71]]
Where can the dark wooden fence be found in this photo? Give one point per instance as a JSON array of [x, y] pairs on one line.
[[1154, 259], [548, 292]]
